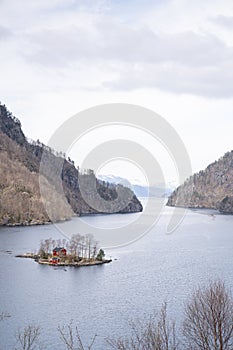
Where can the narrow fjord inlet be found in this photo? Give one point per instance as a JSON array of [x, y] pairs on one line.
[[116, 175]]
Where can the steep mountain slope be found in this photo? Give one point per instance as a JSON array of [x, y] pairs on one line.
[[20, 198], [211, 188], [20, 201]]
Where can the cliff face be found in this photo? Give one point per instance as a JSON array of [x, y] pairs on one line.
[[211, 188], [11, 126], [20, 198]]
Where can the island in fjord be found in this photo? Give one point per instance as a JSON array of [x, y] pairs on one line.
[[78, 251]]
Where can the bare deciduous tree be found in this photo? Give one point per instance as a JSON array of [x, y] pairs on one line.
[[74, 244], [208, 325], [72, 339], [156, 334], [89, 243], [80, 247], [208, 320], [28, 338]]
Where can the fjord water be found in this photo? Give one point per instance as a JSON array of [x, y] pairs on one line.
[[103, 299]]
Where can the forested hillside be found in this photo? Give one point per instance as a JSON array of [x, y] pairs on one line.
[[211, 188], [20, 198]]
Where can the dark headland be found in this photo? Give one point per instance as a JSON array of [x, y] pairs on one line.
[[20, 198]]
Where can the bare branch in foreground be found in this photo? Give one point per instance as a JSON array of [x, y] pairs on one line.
[[158, 333], [72, 339], [28, 338], [208, 320]]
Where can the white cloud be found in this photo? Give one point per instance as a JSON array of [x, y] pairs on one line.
[[5, 33], [58, 57], [186, 62], [70, 41], [211, 82], [108, 40], [83, 44], [224, 21]]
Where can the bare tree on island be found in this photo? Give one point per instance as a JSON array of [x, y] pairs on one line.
[[89, 242], [78, 248], [74, 245], [208, 320]]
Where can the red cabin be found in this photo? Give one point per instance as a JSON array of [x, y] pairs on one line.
[[59, 251], [55, 260]]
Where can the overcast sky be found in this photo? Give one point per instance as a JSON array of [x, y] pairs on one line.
[[59, 57]]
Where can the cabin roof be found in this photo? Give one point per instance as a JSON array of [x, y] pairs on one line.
[[58, 249]]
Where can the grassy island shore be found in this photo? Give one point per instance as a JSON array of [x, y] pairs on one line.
[[65, 262], [78, 251]]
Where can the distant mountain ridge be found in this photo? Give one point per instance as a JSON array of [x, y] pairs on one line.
[[139, 190], [210, 188], [20, 199]]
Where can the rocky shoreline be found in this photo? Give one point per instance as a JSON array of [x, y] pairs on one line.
[[26, 223], [83, 262], [40, 222], [76, 264]]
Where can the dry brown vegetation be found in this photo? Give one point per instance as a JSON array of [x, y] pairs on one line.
[[211, 188], [30, 170], [20, 200]]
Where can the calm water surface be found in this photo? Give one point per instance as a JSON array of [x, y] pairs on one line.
[[103, 300]]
